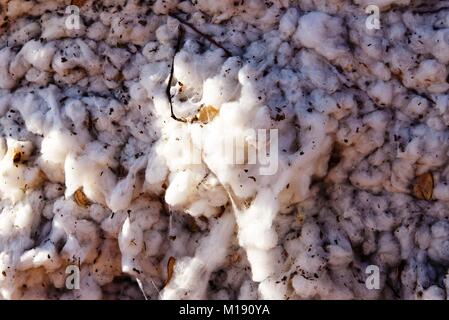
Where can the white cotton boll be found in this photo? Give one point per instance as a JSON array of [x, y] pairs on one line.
[[25, 33], [95, 179], [201, 207], [304, 288], [121, 195], [6, 80], [164, 34], [440, 50], [406, 241], [372, 47], [74, 172], [381, 92], [260, 235], [180, 188], [186, 282], [338, 256], [388, 249], [156, 171], [82, 238], [322, 32], [18, 67], [218, 90], [439, 245], [434, 293], [97, 31], [78, 54], [378, 120], [54, 149], [89, 289], [441, 103], [441, 191], [113, 224], [72, 248], [3, 148], [288, 23], [45, 256], [153, 240], [423, 237], [75, 110], [367, 180], [318, 72], [152, 75], [54, 28], [146, 216], [38, 55], [24, 217], [191, 69], [220, 295], [38, 77], [16, 178], [130, 239], [248, 291], [97, 212], [216, 196], [418, 106], [221, 231], [324, 103], [137, 91], [285, 53], [210, 254], [270, 289], [118, 56], [430, 71], [381, 71], [262, 263], [96, 152], [155, 51]]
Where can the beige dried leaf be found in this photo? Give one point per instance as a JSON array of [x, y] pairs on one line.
[[300, 217], [170, 266], [192, 225], [207, 114], [17, 156], [423, 186], [80, 198], [119, 77], [78, 3], [234, 258]]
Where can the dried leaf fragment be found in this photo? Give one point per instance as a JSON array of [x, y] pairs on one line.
[[170, 266], [192, 225], [300, 217], [78, 3], [423, 186], [17, 156], [80, 198], [207, 114], [119, 77], [234, 258]]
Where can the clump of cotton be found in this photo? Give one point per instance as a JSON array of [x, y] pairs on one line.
[[283, 160]]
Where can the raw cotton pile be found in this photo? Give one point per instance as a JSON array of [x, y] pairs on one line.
[[122, 123]]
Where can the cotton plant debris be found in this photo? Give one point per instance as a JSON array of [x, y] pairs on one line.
[[113, 156], [423, 186]]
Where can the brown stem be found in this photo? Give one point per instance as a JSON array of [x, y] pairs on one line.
[[206, 36]]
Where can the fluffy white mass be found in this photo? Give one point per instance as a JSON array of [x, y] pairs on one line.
[[114, 149]]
